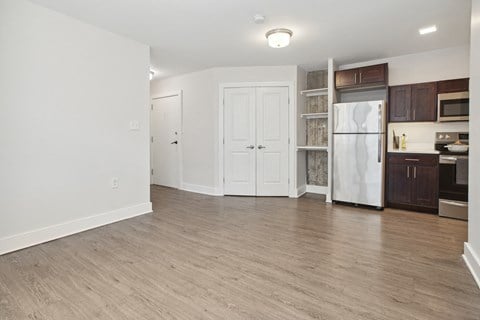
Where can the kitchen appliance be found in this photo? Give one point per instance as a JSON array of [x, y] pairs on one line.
[[453, 106], [359, 152], [453, 185]]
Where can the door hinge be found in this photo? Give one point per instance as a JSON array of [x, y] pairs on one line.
[[151, 172], [288, 140], [151, 107], [288, 100], [151, 139], [223, 140], [223, 179]]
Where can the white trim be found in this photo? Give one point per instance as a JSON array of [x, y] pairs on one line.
[[292, 116], [472, 261], [175, 93], [301, 191], [317, 189], [211, 191], [34, 237]]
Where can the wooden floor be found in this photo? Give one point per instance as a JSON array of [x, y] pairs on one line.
[[201, 257]]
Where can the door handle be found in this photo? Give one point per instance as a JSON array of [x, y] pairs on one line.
[[251, 147], [379, 148], [261, 147], [174, 142], [408, 172]]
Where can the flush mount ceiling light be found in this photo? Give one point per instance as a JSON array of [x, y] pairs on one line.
[[279, 38], [427, 30]]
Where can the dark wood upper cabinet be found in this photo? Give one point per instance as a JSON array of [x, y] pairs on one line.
[[424, 102], [364, 77], [413, 102], [413, 181], [377, 74], [455, 85], [400, 103], [346, 78]]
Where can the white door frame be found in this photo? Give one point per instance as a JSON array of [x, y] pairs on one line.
[[292, 130], [158, 96]]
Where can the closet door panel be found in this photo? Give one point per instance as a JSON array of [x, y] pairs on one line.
[[239, 134], [272, 141]]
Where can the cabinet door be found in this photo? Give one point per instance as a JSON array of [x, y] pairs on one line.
[[425, 186], [399, 186], [346, 78], [455, 85], [400, 103], [373, 74], [424, 102]]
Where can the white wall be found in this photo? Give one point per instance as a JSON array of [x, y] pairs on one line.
[[472, 248], [443, 64], [68, 94], [200, 116]]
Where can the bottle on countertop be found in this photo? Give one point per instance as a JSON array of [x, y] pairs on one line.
[[403, 142]]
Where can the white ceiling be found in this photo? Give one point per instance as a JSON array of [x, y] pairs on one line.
[[188, 35]]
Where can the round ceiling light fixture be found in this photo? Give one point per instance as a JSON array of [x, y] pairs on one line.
[[279, 38]]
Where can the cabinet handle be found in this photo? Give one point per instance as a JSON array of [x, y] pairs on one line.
[[408, 172], [414, 172], [360, 77], [414, 114], [355, 78], [408, 159]]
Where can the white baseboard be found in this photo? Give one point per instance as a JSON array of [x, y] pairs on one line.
[[317, 189], [301, 191], [473, 262], [211, 191], [34, 237]]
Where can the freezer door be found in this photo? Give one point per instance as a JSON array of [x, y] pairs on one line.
[[359, 117], [358, 166]]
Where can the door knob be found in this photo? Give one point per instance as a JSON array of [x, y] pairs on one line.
[[174, 142], [261, 147], [251, 147]]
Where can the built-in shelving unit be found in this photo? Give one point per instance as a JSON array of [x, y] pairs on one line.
[[314, 110], [315, 92], [316, 115]]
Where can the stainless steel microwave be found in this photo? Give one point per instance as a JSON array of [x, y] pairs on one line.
[[453, 106]]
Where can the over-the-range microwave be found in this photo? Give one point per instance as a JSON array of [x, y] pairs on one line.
[[453, 106]]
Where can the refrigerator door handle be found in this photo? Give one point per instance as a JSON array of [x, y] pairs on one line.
[[380, 126], [379, 148]]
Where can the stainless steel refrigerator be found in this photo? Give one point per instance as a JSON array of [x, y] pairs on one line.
[[358, 152]]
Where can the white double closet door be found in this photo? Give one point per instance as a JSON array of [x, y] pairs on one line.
[[256, 141]]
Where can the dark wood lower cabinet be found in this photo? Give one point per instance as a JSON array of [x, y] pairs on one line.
[[412, 182]]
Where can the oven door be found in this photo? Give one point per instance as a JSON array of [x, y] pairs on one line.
[[453, 106], [453, 187]]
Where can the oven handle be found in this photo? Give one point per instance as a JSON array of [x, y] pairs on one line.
[[452, 203]]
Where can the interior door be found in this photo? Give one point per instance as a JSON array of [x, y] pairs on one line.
[[165, 131], [239, 148], [272, 141]]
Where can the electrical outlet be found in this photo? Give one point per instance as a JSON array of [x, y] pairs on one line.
[[114, 183]]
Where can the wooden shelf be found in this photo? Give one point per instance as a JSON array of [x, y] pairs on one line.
[[312, 148], [315, 92], [317, 115]]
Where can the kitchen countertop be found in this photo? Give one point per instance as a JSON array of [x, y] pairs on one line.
[[426, 151], [426, 148]]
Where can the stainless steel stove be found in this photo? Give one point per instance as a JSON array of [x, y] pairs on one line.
[[453, 186]]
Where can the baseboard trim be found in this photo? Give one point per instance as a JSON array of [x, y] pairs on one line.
[[301, 191], [472, 261], [34, 237], [211, 191], [317, 189]]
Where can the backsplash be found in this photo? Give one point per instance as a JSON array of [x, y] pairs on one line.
[[422, 134]]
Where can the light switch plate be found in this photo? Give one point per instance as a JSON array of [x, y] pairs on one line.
[[134, 125]]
